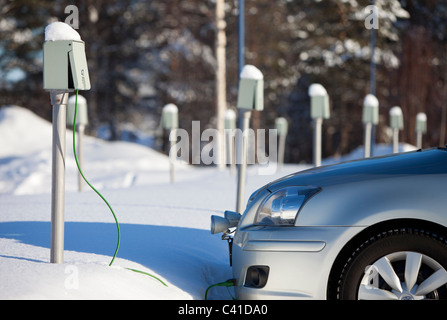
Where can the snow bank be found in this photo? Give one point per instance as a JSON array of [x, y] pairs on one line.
[[25, 158], [26, 274], [60, 31], [22, 132]]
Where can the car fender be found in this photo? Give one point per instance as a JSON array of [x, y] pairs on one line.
[[369, 202]]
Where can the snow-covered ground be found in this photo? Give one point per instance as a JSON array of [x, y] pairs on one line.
[[164, 226]]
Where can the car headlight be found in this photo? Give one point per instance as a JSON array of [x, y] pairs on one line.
[[282, 206]]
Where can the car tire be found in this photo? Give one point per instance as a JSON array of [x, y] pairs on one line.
[[383, 266]]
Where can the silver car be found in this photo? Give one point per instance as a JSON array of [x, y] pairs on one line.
[[368, 229]]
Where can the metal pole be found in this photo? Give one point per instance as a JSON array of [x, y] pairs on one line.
[[221, 99], [230, 151], [282, 145], [172, 154], [59, 103], [243, 116], [317, 141], [395, 140], [242, 159], [419, 139], [372, 81], [368, 128], [80, 128], [233, 156]]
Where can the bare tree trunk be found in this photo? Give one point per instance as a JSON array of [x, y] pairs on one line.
[[220, 79], [415, 79]]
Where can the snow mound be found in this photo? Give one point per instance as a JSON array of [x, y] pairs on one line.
[[22, 132], [60, 31], [25, 158]]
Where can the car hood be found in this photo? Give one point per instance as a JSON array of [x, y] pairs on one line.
[[431, 161]]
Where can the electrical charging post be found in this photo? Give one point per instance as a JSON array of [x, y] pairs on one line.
[[370, 117], [281, 125], [64, 70], [169, 121], [397, 124], [319, 110], [81, 122], [250, 97], [421, 128]]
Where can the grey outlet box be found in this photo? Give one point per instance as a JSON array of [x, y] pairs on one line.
[[65, 66], [169, 117], [251, 94], [82, 111], [319, 107]]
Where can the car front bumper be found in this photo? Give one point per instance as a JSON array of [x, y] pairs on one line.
[[286, 262]]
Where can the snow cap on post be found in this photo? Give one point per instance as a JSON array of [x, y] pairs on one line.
[[230, 119], [370, 109], [251, 72], [421, 122], [169, 117], [251, 89], [319, 101], [317, 90], [57, 31], [64, 61]]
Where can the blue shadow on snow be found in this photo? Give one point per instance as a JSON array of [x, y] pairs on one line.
[[176, 253]]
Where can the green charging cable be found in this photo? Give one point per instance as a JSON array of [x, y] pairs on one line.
[[228, 283], [148, 274], [90, 185], [101, 196]]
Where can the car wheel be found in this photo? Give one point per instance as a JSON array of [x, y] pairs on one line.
[[397, 265]]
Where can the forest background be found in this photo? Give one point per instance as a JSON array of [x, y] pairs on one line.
[[143, 55]]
